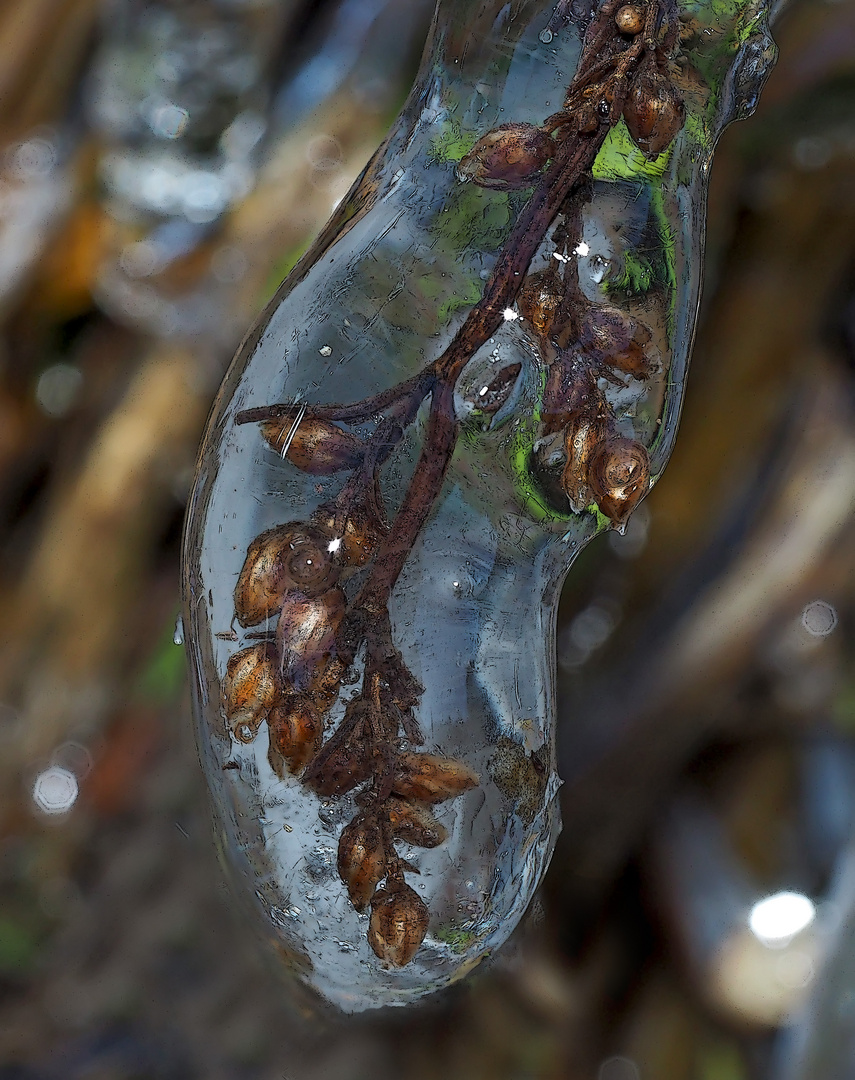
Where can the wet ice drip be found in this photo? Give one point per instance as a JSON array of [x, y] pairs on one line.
[[476, 369]]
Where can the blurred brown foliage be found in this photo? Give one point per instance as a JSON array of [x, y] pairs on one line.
[[684, 669]]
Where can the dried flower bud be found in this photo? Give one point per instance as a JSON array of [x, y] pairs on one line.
[[491, 397], [250, 689], [278, 561], [318, 447], [399, 922], [361, 859], [587, 118], [306, 636], [619, 475], [341, 763], [582, 435], [326, 683], [630, 19], [414, 824], [309, 564], [653, 112], [431, 779], [355, 533], [634, 360], [616, 339], [507, 158], [571, 387], [539, 299], [244, 725], [296, 728]]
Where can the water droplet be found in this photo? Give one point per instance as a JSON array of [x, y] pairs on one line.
[[58, 389], [74, 757], [178, 633], [169, 121], [619, 1068], [819, 618], [546, 35], [55, 790]]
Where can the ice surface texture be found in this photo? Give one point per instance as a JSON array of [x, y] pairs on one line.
[[477, 368]]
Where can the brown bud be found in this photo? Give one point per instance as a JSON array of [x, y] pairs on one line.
[[309, 563], [582, 435], [250, 689], [306, 636], [619, 475], [340, 764], [414, 824], [616, 339], [326, 683], [571, 387], [354, 535], [361, 859], [491, 397], [539, 299], [653, 112], [278, 561], [630, 19], [399, 922], [507, 158], [634, 359], [431, 779], [296, 728], [316, 446], [588, 118]]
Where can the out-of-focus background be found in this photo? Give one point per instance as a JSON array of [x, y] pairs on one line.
[[162, 166]]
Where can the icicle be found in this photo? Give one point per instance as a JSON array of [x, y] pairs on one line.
[[449, 463]]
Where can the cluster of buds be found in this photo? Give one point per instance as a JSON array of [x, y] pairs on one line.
[[599, 465], [637, 87], [290, 681], [396, 806], [580, 434], [255, 692], [292, 575], [653, 110], [367, 856]]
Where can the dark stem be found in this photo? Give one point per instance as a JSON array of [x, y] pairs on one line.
[[425, 485], [416, 389]]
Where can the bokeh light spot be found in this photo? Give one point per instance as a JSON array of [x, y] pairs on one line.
[[55, 790], [778, 918]]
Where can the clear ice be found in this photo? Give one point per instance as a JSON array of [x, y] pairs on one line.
[[585, 358]]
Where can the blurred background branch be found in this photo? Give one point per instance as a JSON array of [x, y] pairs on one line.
[[163, 166]]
